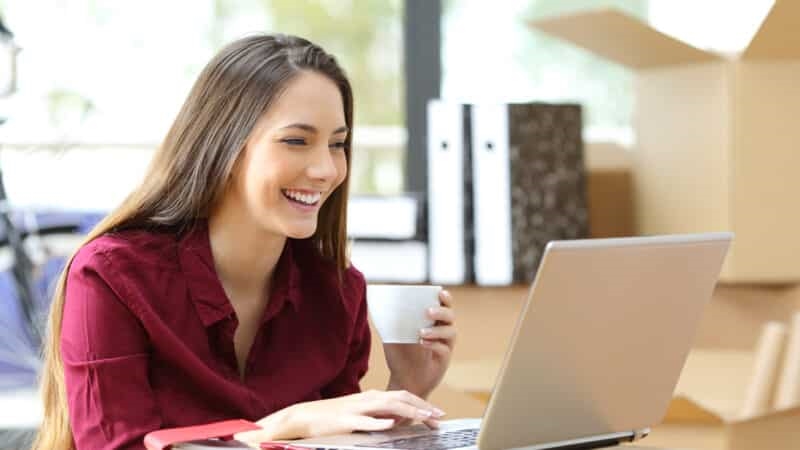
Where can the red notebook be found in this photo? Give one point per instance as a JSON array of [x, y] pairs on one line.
[[210, 436]]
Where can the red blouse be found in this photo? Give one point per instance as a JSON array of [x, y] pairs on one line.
[[147, 337]]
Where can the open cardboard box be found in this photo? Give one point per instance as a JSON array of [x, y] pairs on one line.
[[710, 394], [711, 391], [717, 136]]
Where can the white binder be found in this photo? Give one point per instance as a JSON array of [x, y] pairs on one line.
[[493, 259], [528, 186], [447, 237]]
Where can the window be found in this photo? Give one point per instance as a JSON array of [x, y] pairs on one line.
[[100, 83], [491, 53]]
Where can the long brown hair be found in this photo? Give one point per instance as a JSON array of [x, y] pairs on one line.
[[190, 171]]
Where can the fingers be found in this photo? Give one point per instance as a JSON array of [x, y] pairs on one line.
[[445, 313], [402, 421], [442, 332], [440, 348], [404, 410], [251, 438], [445, 298], [366, 423], [442, 314], [433, 424], [398, 403], [413, 400]]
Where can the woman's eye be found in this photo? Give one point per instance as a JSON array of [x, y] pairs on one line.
[[339, 145], [294, 141]]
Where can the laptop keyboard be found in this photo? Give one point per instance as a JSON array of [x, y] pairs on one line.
[[439, 441]]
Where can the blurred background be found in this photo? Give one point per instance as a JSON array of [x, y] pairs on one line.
[[106, 79], [88, 89]]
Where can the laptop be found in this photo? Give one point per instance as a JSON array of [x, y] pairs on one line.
[[596, 353]]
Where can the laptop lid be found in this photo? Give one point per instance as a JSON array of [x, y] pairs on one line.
[[602, 339]]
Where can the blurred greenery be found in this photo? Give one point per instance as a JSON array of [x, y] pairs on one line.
[[364, 35], [366, 38], [547, 8], [68, 107]]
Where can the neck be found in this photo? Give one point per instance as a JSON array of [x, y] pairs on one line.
[[245, 255]]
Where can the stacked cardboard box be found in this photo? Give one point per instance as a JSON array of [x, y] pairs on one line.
[[717, 137]]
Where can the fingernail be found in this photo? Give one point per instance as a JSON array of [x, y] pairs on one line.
[[426, 332], [424, 414], [431, 310], [438, 412]]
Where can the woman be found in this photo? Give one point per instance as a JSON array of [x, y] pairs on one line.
[[220, 288]]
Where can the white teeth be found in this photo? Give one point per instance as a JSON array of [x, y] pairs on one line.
[[308, 199]]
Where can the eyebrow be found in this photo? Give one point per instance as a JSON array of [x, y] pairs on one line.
[[313, 129]]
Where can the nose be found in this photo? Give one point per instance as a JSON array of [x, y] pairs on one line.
[[322, 167]]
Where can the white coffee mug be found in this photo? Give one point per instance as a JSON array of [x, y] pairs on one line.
[[399, 311]]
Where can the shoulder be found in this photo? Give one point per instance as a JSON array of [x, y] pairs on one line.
[[125, 259], [353, 283], [130, 247]]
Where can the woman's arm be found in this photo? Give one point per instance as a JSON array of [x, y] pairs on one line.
[[105, 352], [364, 411]]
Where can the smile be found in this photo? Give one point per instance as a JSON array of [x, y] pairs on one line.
[[304, 198]]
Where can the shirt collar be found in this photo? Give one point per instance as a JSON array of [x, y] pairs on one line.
[[205, 288]]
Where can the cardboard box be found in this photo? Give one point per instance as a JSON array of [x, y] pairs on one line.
[[711, 392], [717, 136], [609, 190]]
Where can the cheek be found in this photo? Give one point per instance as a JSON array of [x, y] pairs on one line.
[[262, 184], [341, 168], [267, 170]]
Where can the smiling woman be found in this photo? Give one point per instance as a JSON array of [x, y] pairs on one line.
[[184, 304]]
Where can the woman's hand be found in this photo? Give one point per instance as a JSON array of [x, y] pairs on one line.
[[365, 411], [420, 368]]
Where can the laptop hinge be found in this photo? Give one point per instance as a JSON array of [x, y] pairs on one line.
[[640, 434], [609, 440]]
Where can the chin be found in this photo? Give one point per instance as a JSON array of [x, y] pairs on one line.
[[300, 235], [301, 232]]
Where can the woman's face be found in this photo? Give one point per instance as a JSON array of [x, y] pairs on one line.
[[294, 159]]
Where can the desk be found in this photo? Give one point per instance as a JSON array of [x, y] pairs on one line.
[[638, 447]]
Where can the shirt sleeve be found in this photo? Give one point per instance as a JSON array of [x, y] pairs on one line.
[[105, 350], [347, 382]]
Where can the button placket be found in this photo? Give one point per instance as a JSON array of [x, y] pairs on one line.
[[225, 345]]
